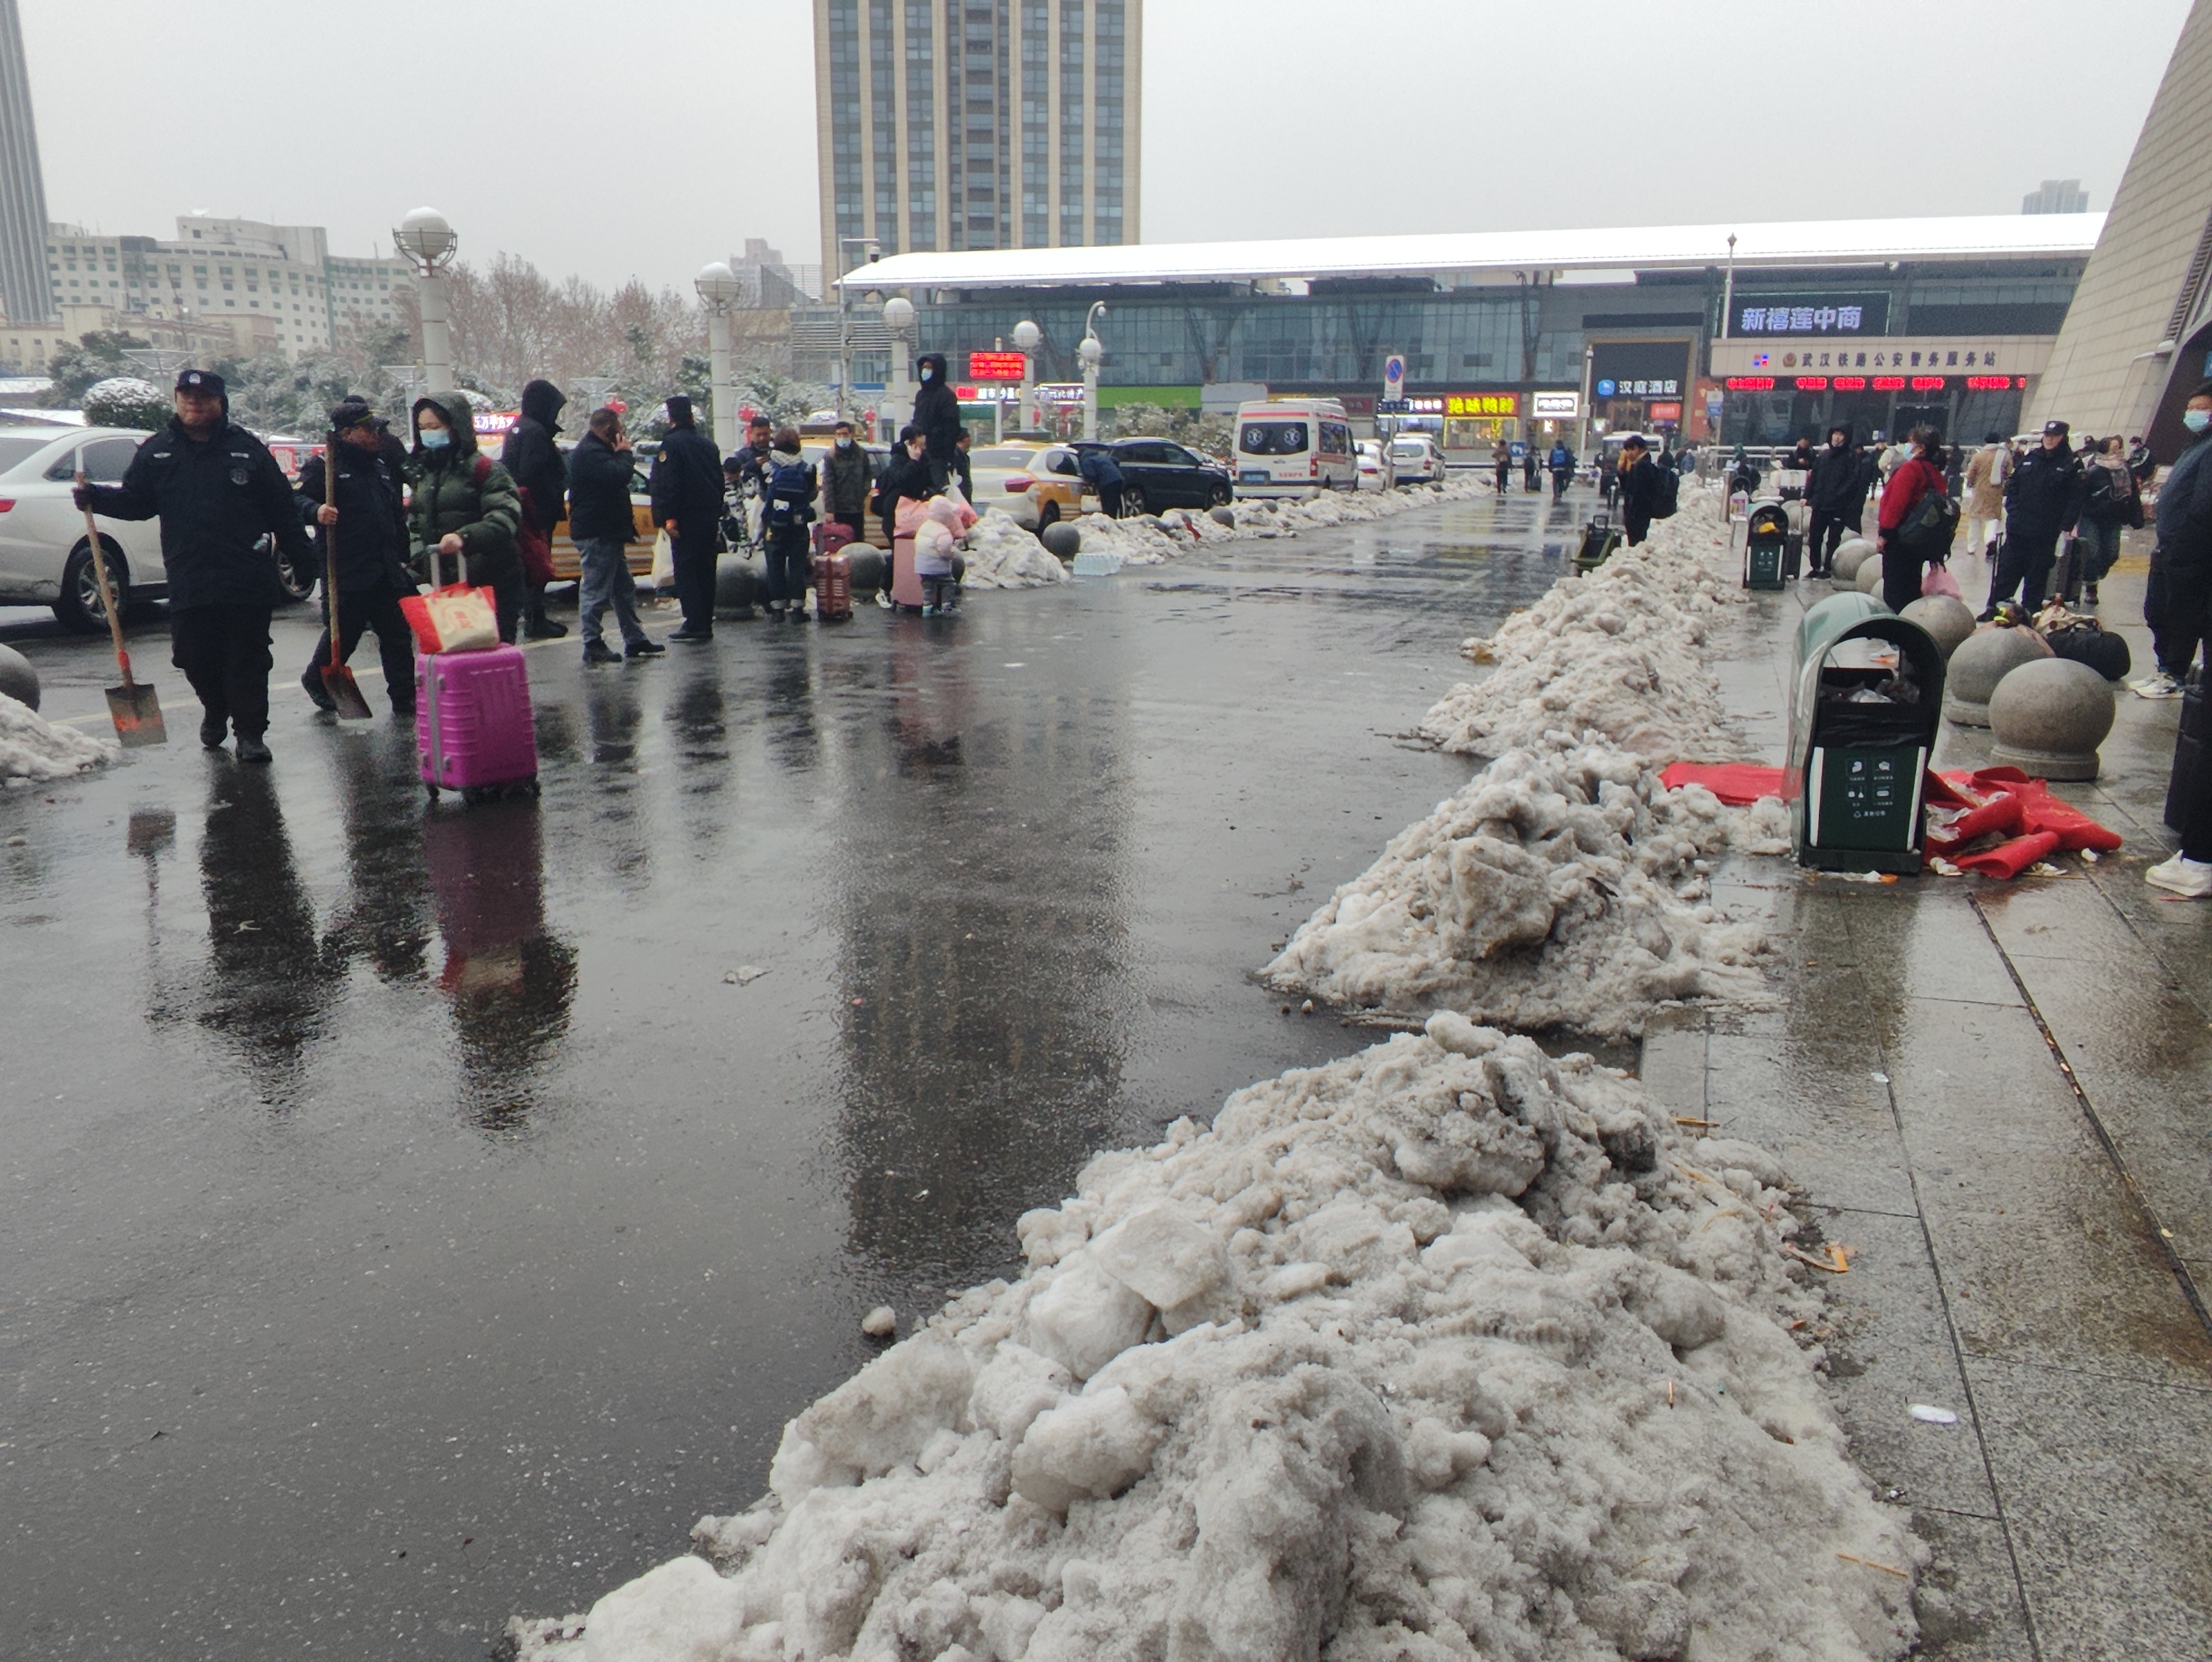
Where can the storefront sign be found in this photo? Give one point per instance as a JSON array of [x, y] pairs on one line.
[[1640, 368], [1809, 314], [1555, 406], [1482, 403], [1058, 392], [1992, 356], [996, 366], [1751, 383], [1667, 387], [987, 394], [1663, 412]]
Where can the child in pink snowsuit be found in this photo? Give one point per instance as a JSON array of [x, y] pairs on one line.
[[948, 518]]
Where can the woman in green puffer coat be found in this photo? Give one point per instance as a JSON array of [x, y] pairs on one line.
[[464, 503]]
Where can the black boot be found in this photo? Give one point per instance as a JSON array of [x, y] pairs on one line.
[[536, 626], [312, 685]]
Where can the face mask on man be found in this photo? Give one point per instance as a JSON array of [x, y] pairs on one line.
[[845, 442], [436, 438], [926, 372], [2196, 420]]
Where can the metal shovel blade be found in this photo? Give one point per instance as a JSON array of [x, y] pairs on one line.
[[137, 711], [345, 693]]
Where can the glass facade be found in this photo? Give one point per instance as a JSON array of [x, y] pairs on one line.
[[883, 122], [1072, 148], [1037, 124], [920, 126], [845, 119], [1110, 26]]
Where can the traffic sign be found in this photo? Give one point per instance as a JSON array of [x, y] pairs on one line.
[[1393, 376], [1394, 406]]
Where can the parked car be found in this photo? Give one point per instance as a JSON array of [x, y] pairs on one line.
[[994, 469], [1418, 459], [46, 558], [1157, 473], [1377, 470], [1050, 488]]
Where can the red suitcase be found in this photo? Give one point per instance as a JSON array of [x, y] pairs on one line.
[[833, 587], [473, 731]]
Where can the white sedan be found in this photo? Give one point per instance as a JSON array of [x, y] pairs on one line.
[[1377, 470], [1418, 459], [46, 558]]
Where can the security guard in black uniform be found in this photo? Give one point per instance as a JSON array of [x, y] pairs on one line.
[[217, 492]]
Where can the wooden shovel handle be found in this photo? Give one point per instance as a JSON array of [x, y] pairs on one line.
[[106, 590], [331, 548]]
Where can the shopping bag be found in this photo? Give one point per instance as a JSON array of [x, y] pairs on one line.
[[664, 561], [463, 619], [1939, 581]]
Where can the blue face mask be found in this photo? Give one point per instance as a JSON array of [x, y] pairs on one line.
[[2196, 420], [926, 372], [435, 438]]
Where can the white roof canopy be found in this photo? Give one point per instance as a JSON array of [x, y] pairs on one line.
[[1446, 254]]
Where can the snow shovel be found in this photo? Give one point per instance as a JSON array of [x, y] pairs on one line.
[[135, 707], [337, 679]]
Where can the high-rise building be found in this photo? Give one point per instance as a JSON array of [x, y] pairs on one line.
[[24, 291], [2057, 196], [2138, 335], [977, 124]]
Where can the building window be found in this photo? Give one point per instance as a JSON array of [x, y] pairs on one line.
[[1073, 162]]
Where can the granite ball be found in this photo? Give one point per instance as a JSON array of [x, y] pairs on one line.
[[865, 565], [19, 679], [1869, 576], [1222, 515], [1982, 660], [739, 585], [1851, 555], [2048, 718], [1947, 619], [1062, 539]]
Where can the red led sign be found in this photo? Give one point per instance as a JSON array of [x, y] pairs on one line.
[[1889, 383], [1851, 383], [1812, 383], [1751, 383], [1927, 383], [1989, 383], [994, 366]]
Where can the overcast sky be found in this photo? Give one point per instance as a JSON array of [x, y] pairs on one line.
[[617, 139]]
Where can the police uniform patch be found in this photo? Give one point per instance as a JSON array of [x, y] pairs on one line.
[[239, 476]]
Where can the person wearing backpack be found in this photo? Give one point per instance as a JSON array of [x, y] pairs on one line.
[[2111, 505], [1501, 458], [1918, 519], [786, 512], [2043, 501], [465, 505], [602, 527], [1561, 465], [1641, 487]]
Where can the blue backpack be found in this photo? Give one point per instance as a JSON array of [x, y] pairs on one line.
[[790, 495]]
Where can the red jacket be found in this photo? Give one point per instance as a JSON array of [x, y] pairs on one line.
[[1906, 486]]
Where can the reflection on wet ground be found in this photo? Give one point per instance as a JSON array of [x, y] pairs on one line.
[[412, 1219]]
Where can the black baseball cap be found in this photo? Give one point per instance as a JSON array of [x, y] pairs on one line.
[[201, 381], [2056, 429], [354, 412]]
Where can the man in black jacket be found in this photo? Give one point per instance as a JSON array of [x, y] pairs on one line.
[[2043, 499], [1833, 491], [217, 492], [848, 479], [533, 461], [1639, 490], [600, 523], [687, 503], [937, 414], [369, 520]]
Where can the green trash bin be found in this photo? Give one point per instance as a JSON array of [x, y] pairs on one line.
[[1767, 538], [1865, 712], [1825, 620]]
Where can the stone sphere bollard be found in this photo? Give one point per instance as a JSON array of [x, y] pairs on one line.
[[1983, 659], [1869, 577], [1222, 515], [739, 585], [2048, 717], [866, 563], [1062, 539], [18, 678], [1947, 619], [1851, 555]]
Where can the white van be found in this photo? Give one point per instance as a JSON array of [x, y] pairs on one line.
[[1294, 447]]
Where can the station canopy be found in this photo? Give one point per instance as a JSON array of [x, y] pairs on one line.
[[1458, 258]]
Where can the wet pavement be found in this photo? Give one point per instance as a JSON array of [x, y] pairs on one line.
[[407, 1223]]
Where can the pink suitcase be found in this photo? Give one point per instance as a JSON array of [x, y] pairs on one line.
[[905, 581], [473, 731]]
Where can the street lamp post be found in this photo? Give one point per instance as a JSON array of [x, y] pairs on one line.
[[874, 251], [427, 242], [719, 289], [1027, 335], [1090, 351], [1582, 435], [898, 318]]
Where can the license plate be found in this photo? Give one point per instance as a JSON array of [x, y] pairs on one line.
[[1253, 475]]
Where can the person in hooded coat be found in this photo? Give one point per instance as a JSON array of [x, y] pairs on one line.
[[533, 461], [687, 503], [217, 492], [465, 508], [937, 413]]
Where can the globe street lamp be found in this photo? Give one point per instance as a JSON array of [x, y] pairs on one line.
[[1027, 336], [898, 318], [427, 242], [1090, 353], [718, 291]]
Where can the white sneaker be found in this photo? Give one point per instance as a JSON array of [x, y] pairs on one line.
[[2183, 876], [2160, 686]]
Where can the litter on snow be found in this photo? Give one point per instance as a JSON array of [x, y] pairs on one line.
[[1933, 1415], [745, 975], [34, 748], [1433, 1352], [880, 1323]]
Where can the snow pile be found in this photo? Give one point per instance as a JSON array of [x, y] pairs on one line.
[[1001, 555], [1154, 540], [34, 748], [1557, 889], [1142, 540], [1444, 1350], [1618, 653]]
